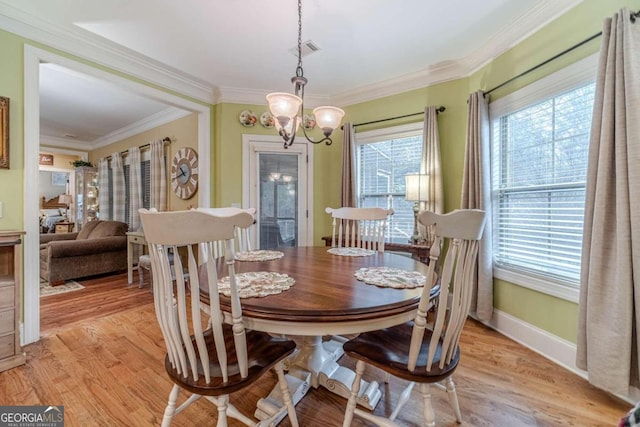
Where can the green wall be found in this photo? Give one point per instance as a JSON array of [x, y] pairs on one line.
[[551, 314], [11, 82]]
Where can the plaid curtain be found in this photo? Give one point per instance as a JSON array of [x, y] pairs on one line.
[[158, 176], [135, 187], [119, 198], [103, 196]]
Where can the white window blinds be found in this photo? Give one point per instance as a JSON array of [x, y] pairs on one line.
[[383, 158], [539, 171]]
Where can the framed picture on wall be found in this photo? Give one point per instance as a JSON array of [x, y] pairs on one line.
[[58, 178], [4, 132], [45, 159]]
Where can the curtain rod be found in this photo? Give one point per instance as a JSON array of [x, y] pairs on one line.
[[633, 17], [438, 110], [166, 140]]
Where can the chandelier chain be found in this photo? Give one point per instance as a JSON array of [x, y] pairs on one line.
[[299, 71]]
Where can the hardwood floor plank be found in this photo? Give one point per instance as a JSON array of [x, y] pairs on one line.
[[102, 357]]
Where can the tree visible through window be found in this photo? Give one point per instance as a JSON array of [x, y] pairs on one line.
[[539, 174], [381, 169]]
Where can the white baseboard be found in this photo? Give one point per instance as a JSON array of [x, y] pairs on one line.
[[552, 347]]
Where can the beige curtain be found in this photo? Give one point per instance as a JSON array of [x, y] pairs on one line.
[[158, 176], [348, 180], [476, 194], [135, 187], [431, 165], [119, 198], [104, 212], [609, 314]]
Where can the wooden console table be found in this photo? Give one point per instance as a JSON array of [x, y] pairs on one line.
[[418, 252]]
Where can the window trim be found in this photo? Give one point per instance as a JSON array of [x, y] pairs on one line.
[[571, 77], [380, 135]]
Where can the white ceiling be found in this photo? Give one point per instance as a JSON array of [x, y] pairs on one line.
[[237, 51]]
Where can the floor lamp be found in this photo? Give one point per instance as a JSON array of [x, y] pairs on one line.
[[416, 190]]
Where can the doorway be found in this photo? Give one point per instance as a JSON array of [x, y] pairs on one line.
[[279, 183], [32, 58]]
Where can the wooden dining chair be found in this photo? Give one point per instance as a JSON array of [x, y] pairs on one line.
[[422, 351], [359, 227], [207, 357]]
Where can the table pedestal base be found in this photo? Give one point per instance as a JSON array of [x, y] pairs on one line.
[[316, 363]]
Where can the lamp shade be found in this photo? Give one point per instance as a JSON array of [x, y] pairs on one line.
[[328, 117], [282, 104], [417, 187], [66, 199]]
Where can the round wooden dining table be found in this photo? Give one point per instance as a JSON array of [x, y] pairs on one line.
[[326, 300]]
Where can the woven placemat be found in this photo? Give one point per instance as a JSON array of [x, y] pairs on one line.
[[257, 284], [390, 277], [258, 255], [351, 251]]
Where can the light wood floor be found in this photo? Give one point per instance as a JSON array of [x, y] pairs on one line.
[[101, 356]]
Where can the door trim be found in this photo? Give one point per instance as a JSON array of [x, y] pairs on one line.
[[30, 329], [248, 143]]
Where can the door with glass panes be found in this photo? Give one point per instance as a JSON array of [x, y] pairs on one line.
[[278, 190]]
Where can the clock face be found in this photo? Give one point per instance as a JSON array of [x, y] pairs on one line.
[[184, 173]]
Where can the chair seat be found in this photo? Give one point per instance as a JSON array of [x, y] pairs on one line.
[[388, 349], [263, 352]]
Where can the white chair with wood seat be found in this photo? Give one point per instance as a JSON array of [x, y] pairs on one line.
[[420, 351], [208, 358], [359, 227]]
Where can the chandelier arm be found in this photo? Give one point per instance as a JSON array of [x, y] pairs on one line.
[[327, 140]]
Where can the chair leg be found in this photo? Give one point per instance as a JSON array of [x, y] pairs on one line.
[[404, 398], [429, 415], [170, 410], [355, 388], [222, 403], [453, 398], [286, 396]]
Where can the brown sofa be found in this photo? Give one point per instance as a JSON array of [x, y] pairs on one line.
[[99, 247]]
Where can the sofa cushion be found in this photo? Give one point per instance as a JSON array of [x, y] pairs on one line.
[[108, 229], [86, 229]]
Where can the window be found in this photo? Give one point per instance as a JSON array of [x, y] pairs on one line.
[[383, 158], [145, 173], [539, 168]]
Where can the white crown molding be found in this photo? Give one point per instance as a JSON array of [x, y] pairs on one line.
[[518, 30], [89, 46], [163, 117], [65, 143], [55, 150]]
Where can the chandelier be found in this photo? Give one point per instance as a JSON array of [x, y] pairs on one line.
[[285, 106]]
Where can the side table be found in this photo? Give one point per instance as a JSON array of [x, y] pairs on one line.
[[418, 252], [64, 227], [133, 238]]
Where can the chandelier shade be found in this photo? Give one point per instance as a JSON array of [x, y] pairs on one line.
[[328, 117], [282, 104], [285, 106]]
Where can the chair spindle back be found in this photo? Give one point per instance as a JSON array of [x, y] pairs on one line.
[[193, 234], [359, 227], [460, 231]]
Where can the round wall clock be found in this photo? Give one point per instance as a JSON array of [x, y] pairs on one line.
[[184, 173]]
